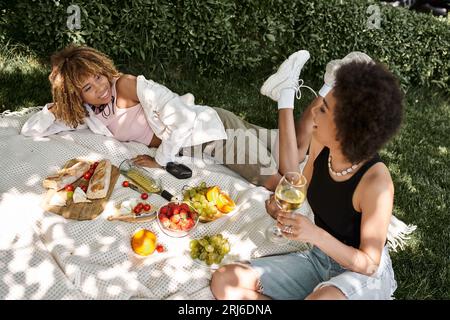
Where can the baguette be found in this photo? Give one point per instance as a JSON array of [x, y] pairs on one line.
[[66, 176], [99, 184]]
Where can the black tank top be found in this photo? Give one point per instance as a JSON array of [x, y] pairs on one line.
[[331, 201]]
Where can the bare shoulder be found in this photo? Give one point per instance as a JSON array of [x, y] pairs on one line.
[[126, 87], [376, 186], [378, 178]]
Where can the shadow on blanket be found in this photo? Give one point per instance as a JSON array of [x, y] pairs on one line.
[[44, 256]]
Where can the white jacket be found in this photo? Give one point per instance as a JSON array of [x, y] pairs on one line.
[[176, 120]]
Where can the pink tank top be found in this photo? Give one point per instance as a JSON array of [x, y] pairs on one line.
[[126, 124]]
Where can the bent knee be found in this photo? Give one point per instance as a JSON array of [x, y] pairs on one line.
[[227, 280], [221, 278]]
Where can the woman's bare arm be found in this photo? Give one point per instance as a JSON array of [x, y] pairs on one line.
[[376, 203]]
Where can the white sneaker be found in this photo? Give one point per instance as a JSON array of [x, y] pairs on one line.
[[286, 75]]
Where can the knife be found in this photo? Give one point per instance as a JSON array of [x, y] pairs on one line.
[[135, 187], [134, 218]]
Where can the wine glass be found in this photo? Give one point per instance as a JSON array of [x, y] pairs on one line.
[[289, 196]]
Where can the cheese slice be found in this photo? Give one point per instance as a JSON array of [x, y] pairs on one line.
[[79, 196], [58, 200]]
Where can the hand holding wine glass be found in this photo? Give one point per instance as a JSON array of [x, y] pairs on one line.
[[289, 196]]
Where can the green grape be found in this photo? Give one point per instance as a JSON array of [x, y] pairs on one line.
[[210, 249], [218, 259], [193, 244], [203, 255], [225, 248]]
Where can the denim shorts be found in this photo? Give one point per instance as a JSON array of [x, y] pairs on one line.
[[296, 275]]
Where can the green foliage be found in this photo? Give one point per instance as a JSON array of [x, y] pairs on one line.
[[221, 36]]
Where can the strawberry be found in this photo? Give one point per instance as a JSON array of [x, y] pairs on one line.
[[185, 227], [165, 222], [175, 218], [164, 210], [183, 214], [147, 207], [162, 216], [176, 210], [184, 207], [190, 223]]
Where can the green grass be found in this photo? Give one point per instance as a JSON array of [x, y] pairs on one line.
[[23, 78], [418, 158]]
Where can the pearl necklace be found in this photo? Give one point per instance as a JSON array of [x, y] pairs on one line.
[[343, 172]]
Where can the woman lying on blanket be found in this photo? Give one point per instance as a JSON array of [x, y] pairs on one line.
[[350, 192], [88, 91]]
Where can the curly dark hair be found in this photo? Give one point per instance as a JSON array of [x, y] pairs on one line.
[[369, 108]]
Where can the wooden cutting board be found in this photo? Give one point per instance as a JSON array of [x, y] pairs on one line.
[[83, 210]]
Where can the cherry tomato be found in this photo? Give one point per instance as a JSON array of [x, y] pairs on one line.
[[125, 184], [144, 196], [69, 187], [147, 207], [87, 175]]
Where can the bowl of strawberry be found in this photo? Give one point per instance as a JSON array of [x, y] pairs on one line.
[[177, 219]]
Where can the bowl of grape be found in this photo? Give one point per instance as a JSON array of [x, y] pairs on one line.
[[210, 250], [177, 219], [210, 202]]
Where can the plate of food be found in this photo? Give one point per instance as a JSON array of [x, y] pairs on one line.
[[80, 189], [134, 210], [211, 251], [211, 202]]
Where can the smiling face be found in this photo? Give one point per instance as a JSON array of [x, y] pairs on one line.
[[324, 129], [96, 90]]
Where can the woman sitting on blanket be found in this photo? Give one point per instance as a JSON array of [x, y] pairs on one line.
[[350, 190], [88, 91]]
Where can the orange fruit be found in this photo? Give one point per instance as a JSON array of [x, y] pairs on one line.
[[143, 242], [213, 193], [224, 203]]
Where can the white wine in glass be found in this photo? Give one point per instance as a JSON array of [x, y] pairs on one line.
[[289, 196]]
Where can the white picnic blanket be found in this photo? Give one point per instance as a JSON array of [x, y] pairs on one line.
[[45, 256]]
